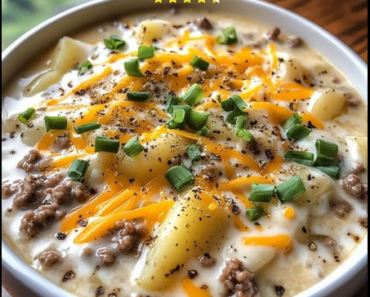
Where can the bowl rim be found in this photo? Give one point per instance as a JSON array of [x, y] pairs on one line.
[[26, 275]]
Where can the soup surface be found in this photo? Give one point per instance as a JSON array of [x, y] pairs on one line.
[[169, 154]]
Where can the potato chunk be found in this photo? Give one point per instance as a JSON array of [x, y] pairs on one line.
[[328, 105], [150, 30], [69, 53], [357, 146], [191, 228]]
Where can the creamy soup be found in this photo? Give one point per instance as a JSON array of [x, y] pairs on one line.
[[169, 154]]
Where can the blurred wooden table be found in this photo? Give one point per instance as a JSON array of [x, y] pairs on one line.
[[345, 19]]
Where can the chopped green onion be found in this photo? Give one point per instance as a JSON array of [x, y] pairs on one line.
[[55, 123], [294, 119], [245, 134], [194, 95], [231, 118], [255, 213], [87, 127], [194, 153], [78, 170], [132, 68], [326, 149], [82, 69], [240, 122], [179, 177], [186, 108], [229, 36], [197, 120], [203, 131], [199, 63], [303, 158], [261, 193], [332, 171], [179, 116], [145, 52], [228, 104], [170, 101], [298, 132], [290, 189], [114, 42], [322, 161], [239, 102], [26, 116], [138, 96], [103, 144], [133, 147]]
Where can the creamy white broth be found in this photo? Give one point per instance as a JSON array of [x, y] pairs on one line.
[[308, 260]]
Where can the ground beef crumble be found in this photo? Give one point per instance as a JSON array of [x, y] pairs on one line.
[[238, 281], [68, 191], [107, 256], [206, 260], [49, 258], [129, 235], [353, 186], [34, 161], [341, 208]]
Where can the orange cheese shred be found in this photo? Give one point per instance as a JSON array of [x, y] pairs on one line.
[[193, 291], [283, 242], [97, 228]]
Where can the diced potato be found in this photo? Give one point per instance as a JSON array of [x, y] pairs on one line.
[[290, 71], [147, 165], [189, 230], [155, 29], [327, 105], [357, 146], [69, 53], [318, 185]]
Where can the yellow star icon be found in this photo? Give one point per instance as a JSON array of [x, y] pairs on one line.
[[158, 1], [201, 1], [216, 1], [187, 1], [172, 1]]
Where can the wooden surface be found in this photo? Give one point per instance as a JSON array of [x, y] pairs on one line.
[[346, 19]]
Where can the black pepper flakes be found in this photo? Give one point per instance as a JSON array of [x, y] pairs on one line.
[[82, 223], [279, 290], [192, 274], [61, 236], [100, 291], [68, 275]]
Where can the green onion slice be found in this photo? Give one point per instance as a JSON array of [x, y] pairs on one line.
[[146, 52], [261, 193], [103, 144], [326, 149], [84, 67], [114, 42], [229, 36], [255, 213], [179, 116], [245, 134], [298, 132], [199, 63], [170, 102], [197, 120], [227, 105], [78, 170], [138, 96], [27, 115], [231, 117], [332, 171], [133, 147], [194, 153], [55, 123], [294, 119], [290, 189], [204, 131], [194, 95], [132, 68], [239, 102], [240, 122], [87, 127], [303, 158], [179, 177]]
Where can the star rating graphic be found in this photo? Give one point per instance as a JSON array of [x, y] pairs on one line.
[[186, 1]]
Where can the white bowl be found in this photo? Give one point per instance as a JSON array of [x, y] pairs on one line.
[[345, 280]]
